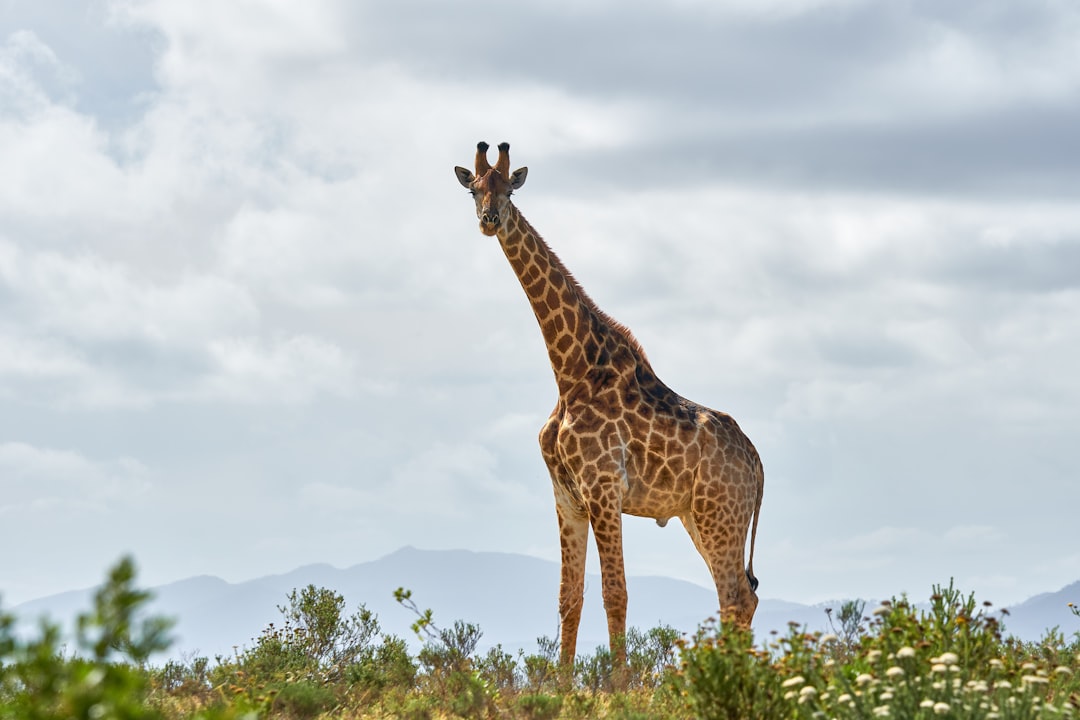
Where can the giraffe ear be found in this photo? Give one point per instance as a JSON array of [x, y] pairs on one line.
[[464, 177], [517, 178]]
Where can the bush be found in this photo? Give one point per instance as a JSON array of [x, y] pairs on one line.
[[724, 676], [318, 641], [947, 661], [539, 706], [389, 665], [650, 655], [38, 683], [303, 699]]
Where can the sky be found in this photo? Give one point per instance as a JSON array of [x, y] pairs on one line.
[[248, 321]]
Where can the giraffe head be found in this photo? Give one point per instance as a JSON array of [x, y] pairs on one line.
[[491, 186]]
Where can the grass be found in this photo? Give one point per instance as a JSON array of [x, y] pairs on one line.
[[952, 659]]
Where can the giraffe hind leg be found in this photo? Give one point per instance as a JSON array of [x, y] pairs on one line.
[[723, 553]]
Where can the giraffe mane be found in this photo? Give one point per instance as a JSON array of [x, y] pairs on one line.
[[620, 329]]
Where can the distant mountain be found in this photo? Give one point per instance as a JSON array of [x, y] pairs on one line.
[[1030, 619], [511, 597]]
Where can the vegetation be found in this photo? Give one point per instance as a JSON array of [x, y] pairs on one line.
[[950, 660]]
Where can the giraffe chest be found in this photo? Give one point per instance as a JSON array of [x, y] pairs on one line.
[[649, 465]]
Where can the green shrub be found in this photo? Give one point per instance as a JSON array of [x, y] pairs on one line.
[[105, 680], [650, 655], [539, 706], [540, 670], [724, 676], [318, 641], [389, 665], [318, 645], [947, 661], [594, 673], [469, 694], [303, 699], [499, 669]]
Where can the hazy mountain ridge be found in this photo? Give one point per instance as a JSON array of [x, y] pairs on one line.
[[513, 598]]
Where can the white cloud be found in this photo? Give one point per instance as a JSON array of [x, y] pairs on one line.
[[85, 297], [275, 223], [26, 64], [23, 357], [443, 482], [247, 37], [960, 68], [287, 370], [45, 480]]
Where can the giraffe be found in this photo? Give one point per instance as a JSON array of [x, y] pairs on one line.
[[619, 440]]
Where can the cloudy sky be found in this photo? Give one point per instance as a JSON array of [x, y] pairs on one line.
[[248, 322]]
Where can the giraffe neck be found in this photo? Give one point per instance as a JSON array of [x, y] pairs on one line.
[[580, 337]]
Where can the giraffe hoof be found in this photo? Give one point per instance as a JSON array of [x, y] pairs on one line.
[[662, 521]]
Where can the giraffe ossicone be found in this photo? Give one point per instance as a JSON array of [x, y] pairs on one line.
[[619, 440]]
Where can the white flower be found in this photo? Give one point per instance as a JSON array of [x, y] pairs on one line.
[[928, 703], [881, 711], [1034, 680], [940, 708], [845, 698], [863, 679], [938, 668], [1029, 666], [949, 658], [873, 656], [1002, 684], [885, 696], [894, 672], [808, 691], [94, 677], [905, 652], [881, 610], [1062, 670], [996, 664], [826, 639], [793, 682]]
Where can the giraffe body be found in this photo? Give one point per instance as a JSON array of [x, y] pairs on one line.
[[619, 440]]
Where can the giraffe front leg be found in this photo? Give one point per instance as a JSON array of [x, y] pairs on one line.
[[573, 540], [605, 515]]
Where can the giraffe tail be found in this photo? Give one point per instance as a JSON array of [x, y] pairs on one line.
[[753, 531]]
